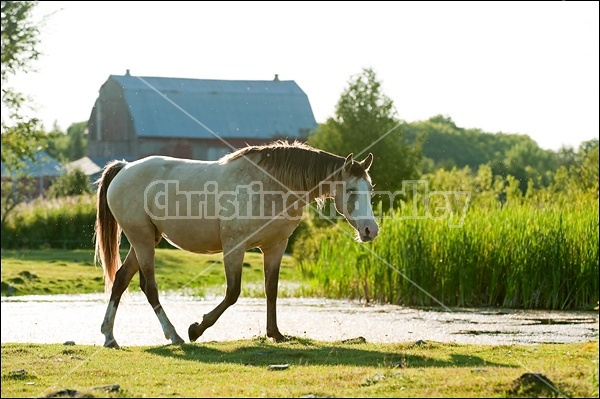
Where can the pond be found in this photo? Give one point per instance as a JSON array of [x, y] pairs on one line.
[[61, 318]]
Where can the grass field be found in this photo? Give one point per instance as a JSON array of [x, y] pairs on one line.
[[57, 271], [314, 369]]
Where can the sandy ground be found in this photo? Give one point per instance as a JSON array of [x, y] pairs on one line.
[[61, 318]]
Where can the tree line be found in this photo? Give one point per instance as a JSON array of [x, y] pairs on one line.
[[366, 120]]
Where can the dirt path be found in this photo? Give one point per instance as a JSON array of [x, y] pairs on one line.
[[60, 318]]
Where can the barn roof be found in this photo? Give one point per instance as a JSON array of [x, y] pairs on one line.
[[201, 108]]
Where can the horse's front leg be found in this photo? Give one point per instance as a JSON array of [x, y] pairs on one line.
[[233, 260], [122, 280], [272, 262]]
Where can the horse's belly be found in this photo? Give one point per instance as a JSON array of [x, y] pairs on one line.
[[270, 233], [198, 236]]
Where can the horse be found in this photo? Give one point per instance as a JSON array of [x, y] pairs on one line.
[[251, 198]]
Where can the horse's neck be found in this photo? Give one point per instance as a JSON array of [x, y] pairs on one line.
[[325, 189], [313, 178]]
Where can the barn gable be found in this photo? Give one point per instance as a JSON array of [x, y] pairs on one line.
[[195, 118]]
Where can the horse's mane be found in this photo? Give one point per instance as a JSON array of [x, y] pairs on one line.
[[296, 165]]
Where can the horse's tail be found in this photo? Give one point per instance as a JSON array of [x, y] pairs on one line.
[[107, 233]]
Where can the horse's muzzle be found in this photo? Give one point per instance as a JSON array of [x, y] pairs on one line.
[[368, 233], [366, 238]]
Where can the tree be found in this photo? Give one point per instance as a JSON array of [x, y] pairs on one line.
[[20, 133], [525, 161], [78, 142], [587, 171], [365, 121], [70, 146], [14, 192], [71, 183]]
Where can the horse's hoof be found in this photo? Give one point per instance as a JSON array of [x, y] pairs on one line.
[[111, 344], [195, 331], [177, 340], [278, 337]]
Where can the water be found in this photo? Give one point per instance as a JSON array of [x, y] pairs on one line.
[[61, 318]]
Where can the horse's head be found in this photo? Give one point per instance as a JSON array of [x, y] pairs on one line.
[[353, 198]]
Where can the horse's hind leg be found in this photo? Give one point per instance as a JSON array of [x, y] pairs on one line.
[[272, 262], [233, 259], [122, 280], [145, 256]]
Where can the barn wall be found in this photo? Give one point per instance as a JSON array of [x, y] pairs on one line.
[[200, 149], [110, 127]]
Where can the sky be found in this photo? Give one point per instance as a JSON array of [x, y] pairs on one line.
[[512, 67]]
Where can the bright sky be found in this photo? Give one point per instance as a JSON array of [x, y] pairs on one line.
[[512, 67]]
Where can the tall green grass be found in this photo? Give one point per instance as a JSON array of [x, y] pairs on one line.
[[519, 256], [66, 222]]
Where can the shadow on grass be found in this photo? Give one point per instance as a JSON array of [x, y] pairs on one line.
[[302, 352]]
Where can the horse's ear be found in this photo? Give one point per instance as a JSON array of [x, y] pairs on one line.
[[366, 163], [348, 162]]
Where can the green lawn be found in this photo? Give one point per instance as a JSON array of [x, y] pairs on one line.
[[55, 271], [321, 369]]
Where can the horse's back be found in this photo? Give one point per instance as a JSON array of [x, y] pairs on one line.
[[136, 176], [129, 192]]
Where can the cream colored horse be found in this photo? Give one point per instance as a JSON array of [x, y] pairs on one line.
[[252, 198]]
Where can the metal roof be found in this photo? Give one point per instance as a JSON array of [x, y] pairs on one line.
[[44, 165], [85, 164], [203, 108]]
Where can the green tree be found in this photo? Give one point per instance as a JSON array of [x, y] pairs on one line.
[[69, 146], [586, 171], [14, 192], [578, 171], [21, 134], [446, 145], [365, 121], [525, 161], [58, 143], [77, 140], [71, 183]]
